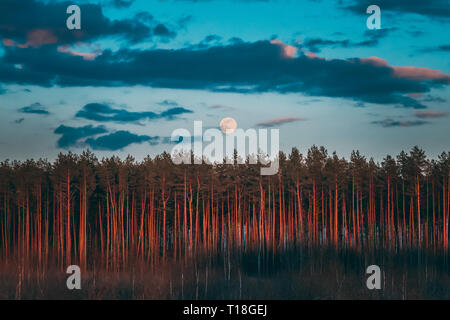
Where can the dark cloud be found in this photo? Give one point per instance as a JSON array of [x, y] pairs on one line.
[[117, 140], [173, 112], [314, 44], [100, 138], [231, 0], [212, 38], [71, 135], [34, 23], [261, 66], [415, 33], [35, 108], [375, 35], [121, 139], [441, 48], [105, 113], [168, 103], [122, 3], [168, 140], [372, 38], [431, 8], [388, 123], [207, 42], [235, 40], [430, 98], [444, 47], [162, 31]]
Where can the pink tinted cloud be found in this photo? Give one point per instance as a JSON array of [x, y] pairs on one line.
[[431, 114], [288, 51], [412, 73], [84, 55], [312, 55], [8, 43], [279, 121], [375, 61], [420, 74], [415, 95], [35, 39], [39, 37]]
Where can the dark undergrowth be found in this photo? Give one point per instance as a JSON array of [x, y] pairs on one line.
[[295, 274]]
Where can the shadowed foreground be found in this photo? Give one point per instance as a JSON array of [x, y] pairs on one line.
[[292, 275]]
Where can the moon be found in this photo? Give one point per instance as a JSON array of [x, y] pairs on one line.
[[228, 125]]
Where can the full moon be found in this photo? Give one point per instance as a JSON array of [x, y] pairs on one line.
[[228, 125]]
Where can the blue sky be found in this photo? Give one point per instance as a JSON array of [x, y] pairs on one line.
[[151, 67]]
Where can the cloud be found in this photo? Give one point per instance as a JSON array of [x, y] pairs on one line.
[[314, 44], [222, 107], [171, 113], [415, 33], [212, 38], [239, 67], [388, 123], [377, 34], [372, 39], [84, 55], [71, 135], [168, 103], [183, 22], [207, 42], [105, 113], [415, 94], [100, 138], [122, 3], [117, 140], [162, 31], [412, 73], [34, 23], [35, 38], [288, 50], [430, 98], [431, 114], [35, 108], [441, 48], [430, 8], [279, 121]]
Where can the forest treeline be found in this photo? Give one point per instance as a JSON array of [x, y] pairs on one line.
[[113, 212]]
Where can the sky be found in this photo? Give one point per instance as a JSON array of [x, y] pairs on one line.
[[138, 70]]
